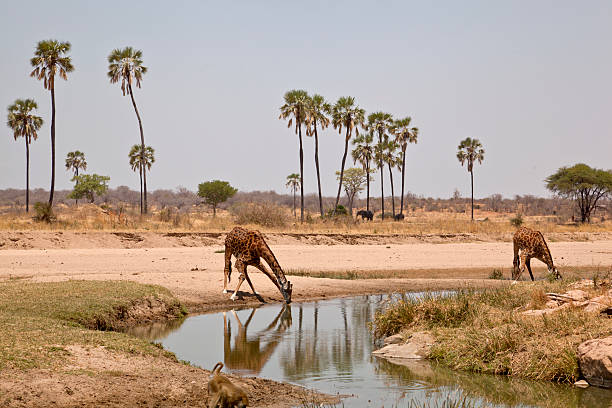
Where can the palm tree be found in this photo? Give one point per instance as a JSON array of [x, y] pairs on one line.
[[470, 150], [380, 123], [295, 108], [316, 112], [24, 124], [126, 65], [75, 161], [345, 114], [293, 183], [364, 153], [404, 134], [140, 161], [50, 59], [385, 153]]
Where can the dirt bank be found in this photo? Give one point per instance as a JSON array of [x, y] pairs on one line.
[[100, 377], [148, 239]]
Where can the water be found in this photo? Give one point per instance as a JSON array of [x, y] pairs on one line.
[[326, 345]]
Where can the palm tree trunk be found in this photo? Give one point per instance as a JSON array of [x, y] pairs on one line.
[[392, 192], [301, 174], [27, 174], [140, 174], [382, 184], [52, 141], [472, 177], [403, 174], [77, 182], [143, 210], [346, 140], [294, 190], [368, 186], [317, 166]]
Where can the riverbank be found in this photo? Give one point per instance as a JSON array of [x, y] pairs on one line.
[[59, 347], [492, 332]]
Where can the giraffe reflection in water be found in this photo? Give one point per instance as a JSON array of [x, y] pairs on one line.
[[250, 353]]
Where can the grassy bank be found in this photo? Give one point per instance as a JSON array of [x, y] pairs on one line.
[[573, 272], [39, 320], [485, 331]]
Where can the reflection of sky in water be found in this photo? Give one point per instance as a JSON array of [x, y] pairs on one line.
[[327, 346]]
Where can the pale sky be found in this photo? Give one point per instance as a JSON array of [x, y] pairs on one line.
[[531, 79]]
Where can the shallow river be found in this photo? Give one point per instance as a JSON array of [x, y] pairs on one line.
[[326, 345]]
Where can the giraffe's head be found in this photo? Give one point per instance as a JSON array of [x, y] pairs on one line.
[[286, 289], [555, 272]]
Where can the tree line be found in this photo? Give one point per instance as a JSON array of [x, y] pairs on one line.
[[50, 61]]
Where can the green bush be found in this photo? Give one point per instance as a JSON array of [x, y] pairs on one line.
[[44, 212], [517, 221], [496, 274], [340, 210]]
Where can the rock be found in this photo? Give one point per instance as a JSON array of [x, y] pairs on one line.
[[595, 361], [581, 384], [551, 304], [417, 346], [395, 339], [577, 295]]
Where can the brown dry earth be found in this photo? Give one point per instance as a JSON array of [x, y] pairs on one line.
[[95, 377], [195, 273], [191, 266]]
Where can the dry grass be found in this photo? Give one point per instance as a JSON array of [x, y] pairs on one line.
[[39, 320], [279, 219], [483, 331]]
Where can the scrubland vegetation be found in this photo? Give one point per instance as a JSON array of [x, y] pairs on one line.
[[183, 210], [485, 331]]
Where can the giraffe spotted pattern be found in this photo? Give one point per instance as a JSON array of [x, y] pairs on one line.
[[249, 246], [531, 244]]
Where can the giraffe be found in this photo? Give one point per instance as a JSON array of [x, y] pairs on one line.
[[531, 243], [251, 353], [248, 246]]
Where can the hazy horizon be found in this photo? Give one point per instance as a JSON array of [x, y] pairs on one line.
[[531, 80]]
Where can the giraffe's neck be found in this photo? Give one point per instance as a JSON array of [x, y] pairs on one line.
[[269, 257]]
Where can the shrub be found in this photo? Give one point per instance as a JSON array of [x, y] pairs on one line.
[[340, 210], [496, 274], [44, 212], [517, 221], [265, 214]]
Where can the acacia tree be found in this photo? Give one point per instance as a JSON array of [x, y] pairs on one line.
[[404, 134], [316, 113], [293, 183], [75, 161], [353, 184], [215, 192], [583, 184], [50, 59], [126, 65], [380, 123], [364, 153], [24, 124], [295, 108], [139, 161], [89, 186], [469, 151], [346, 114]]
